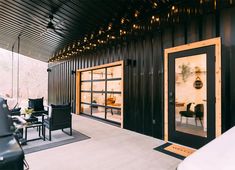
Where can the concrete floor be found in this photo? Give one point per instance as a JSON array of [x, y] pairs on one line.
[[109, 148]]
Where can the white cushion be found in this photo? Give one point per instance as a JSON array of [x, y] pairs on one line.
[[192, 106]]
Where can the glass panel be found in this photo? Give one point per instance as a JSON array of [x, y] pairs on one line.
[[190, 104], [86, 97], [98, 98], [114, 114], [114, 85], [98, 111], [99, 86], [86, 109], [98, 74], [114, 100], [114, 72], [86, 75], [86, 86]]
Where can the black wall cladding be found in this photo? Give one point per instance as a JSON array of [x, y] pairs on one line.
[[143, 74]]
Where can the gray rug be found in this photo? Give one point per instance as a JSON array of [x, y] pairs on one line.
[[58, 139]]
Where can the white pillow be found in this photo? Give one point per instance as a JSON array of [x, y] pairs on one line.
[[192, 106]]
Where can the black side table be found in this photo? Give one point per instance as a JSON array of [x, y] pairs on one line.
[[33, 122]]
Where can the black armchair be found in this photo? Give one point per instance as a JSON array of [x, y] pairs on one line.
[[37, 106], [199, 113], [187, 113], [59, 118]]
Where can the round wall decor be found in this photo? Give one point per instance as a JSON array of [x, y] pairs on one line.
[[198, 83]]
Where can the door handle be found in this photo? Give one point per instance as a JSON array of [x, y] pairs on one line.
[[171, 98], [171, 101]]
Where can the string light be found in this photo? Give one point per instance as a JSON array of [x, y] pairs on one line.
[[154, 5], [122, 20], [126, 26], [136, 14], [110, 26], [85, 39], [154, 19], [122, 32]]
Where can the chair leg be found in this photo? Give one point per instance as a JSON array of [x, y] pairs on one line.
[[201, 121], [43, 132], [49, 134], [70, 130]]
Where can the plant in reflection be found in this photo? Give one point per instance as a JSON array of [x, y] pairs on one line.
[[185, 71]]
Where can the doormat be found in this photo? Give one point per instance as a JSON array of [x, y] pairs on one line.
[[175, 150]]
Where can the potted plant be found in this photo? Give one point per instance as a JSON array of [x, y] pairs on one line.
[[185, 71], [28, 113]]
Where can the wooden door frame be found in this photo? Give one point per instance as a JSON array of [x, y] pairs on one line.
[[217, 43], [78, 84]]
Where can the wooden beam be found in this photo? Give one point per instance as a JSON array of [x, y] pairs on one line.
[[102, 66], [78, 95]]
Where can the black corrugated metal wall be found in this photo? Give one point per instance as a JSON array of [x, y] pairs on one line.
[[143, 73]]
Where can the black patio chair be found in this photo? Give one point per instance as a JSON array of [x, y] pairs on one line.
[[59, 118], [37, 106], [199, 113], [187, 113]]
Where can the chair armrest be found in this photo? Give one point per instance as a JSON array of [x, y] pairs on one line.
[[46, 108], [45, 116]]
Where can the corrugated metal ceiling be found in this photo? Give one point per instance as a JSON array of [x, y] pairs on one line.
[[71, 18]]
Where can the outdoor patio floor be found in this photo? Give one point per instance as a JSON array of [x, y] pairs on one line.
[[108, 148]]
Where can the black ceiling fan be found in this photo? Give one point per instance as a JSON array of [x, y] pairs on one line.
[[51, 27]]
